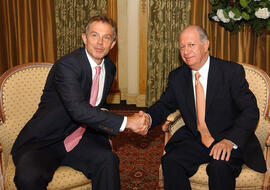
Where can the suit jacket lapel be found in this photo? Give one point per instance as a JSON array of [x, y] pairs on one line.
[[88, 70], [108, 80], [214, 80], [190, 93]]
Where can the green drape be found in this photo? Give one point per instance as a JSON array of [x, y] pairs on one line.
[[166, 19], [71, 19]]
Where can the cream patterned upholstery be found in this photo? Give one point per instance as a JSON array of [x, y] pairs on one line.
[[20, 91], [248, 180]]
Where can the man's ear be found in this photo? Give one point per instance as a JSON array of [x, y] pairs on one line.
[[84, 38], [206, 45], [113, 44]]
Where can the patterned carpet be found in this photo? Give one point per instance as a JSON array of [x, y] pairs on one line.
[[139, 157]]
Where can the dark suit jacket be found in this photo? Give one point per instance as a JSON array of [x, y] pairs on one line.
[[231, 108], [65, 105]]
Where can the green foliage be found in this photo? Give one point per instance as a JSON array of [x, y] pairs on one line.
[[233, 15], [245, 15], [244, 3], [268, 25]]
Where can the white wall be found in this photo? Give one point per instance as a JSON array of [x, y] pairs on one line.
[[128, 49]]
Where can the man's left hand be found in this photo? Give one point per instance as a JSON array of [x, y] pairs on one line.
[[222, 149]]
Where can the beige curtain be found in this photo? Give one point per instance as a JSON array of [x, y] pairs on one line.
[[166, 19], [244, 46], [71, 18], [27, 32]]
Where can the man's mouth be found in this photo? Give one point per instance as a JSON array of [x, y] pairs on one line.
[[99, 50], [188, 58]]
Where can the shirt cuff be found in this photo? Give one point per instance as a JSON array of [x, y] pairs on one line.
[[150, 121], [124, 123], [234, 145]]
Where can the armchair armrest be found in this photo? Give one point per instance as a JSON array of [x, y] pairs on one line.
[[267, 160], [267, 155], [1, 169], [267, 142], [1, 150], [171, 120]]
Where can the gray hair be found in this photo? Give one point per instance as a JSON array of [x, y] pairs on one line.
[[202, 34]]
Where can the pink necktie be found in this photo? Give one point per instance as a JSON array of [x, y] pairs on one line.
[[73, 139], [206, 137]]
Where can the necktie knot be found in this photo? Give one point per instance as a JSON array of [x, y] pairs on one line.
[[98, 69], [197, 75]]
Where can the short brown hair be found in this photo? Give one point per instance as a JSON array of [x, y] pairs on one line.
[[104, 19]]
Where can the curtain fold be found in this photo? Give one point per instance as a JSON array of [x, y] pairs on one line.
[[112, 13], [71, 18], [166, 19], [27, 32], [244, 46]]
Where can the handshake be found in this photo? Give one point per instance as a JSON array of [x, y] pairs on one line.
[[138, 123]]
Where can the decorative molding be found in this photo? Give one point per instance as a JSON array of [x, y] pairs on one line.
[[131, 98], [143, 30], [112, 13], [144, 5], [122, 43], [137, 99], [124, 92], [141, 100], [114, 98], [1, 176]]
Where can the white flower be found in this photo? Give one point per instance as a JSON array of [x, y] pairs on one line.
[[232, 16], [262, 13], [221, 17], [215, 18]]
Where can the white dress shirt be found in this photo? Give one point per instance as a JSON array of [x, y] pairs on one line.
[[93, 65], [203, 79]]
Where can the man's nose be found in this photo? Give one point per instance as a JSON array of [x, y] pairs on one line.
[[100, 40], [186, 50]]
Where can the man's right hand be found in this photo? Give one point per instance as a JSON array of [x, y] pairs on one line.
[[138, 123]]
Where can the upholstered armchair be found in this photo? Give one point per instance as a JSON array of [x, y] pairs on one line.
[[248, 180], [20, 91]]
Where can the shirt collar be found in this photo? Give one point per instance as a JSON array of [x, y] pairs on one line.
[[93, 64], [204, 69]]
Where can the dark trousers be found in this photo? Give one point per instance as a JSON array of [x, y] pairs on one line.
[[183, 157], [92, 156]]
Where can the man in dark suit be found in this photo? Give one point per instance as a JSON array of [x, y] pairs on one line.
[[220, 133], [67, 130]]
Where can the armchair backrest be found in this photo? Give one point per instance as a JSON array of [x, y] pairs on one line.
[[259, 84], [20, 91]]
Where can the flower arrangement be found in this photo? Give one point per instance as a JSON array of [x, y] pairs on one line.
[[234, 14]]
